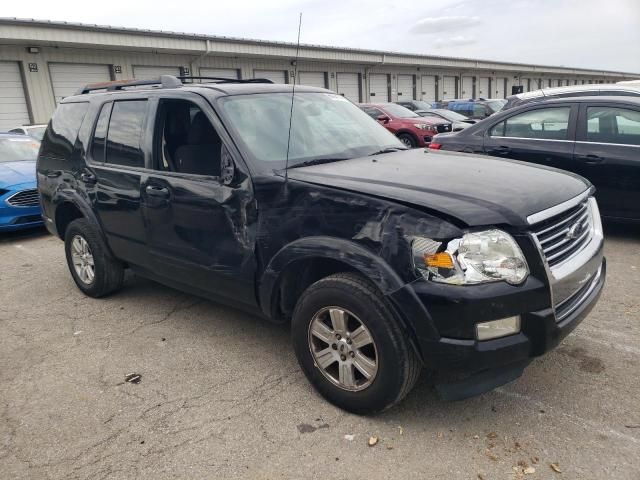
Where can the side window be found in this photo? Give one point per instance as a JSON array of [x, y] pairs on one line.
[[62, 132], [372, 112], [100, 133], [186, 142], [479, 111], [613, 125], [125, 133], [543, 124]]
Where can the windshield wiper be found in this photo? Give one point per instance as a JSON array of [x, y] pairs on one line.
[[388, 150], [318, 161]]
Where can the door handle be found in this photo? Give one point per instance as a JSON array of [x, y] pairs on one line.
[[88, 178], [502, 150], [155, 191], [592, 159]]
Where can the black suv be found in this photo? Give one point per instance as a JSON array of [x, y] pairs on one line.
[[384, 259]]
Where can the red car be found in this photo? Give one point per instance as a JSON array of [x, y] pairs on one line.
[[412, 129]]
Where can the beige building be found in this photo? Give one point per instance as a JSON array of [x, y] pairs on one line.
[[42, 62]]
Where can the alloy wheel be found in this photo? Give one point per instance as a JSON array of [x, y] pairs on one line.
[[82, 260], [343, 348]]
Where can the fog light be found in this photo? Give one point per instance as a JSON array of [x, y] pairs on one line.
[[498, 328]]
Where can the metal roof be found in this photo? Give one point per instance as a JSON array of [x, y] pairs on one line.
[[269, 43]]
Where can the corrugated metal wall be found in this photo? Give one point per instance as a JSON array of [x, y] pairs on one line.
[[433, 81]]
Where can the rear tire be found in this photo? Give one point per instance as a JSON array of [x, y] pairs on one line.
[[337, 360], [92, 266], [408, 139]]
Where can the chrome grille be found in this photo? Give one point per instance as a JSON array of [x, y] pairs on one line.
[[562, 235], [25, 198]]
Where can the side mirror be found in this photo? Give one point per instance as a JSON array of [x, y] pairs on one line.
[[383, 119]]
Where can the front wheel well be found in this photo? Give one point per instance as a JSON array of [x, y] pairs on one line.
[[297, 277], [66, 213]]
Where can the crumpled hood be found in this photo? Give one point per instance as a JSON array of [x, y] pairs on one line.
[[475, 189], [14, 173]]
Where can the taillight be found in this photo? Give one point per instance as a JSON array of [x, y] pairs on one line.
[[435, 146]]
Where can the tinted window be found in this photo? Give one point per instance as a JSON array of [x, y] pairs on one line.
[[544, 123], [100, 133], [63, 130], [125, 133], [613, 125]]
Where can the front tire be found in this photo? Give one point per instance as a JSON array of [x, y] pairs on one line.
[[408, 140], [92, 266], [351, 347]]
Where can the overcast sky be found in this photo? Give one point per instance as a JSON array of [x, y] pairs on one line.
[[601, 34]]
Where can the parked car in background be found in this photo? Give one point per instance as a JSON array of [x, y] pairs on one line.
[[595, 137], [384, 261], [19, 204], [35, 131], [458, 121], [412, 129], [590, 90], [476, 109], [416, 105]]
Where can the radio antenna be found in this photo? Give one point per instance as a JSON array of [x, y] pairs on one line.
[[293, 94]]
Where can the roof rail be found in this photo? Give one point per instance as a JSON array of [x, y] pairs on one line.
[[165, 81], [226, 80]]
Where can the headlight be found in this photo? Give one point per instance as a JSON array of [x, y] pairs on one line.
[[423, 126], [477, 257]]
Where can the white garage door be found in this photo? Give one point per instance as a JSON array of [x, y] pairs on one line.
[[467, 87], [276, 76], [483, 88], [379, 87], [13, 105], [428, 88], [448, 88], [219, 72], [405, 87], [312, 79], [152, 73], [499, 87], [66, 78], [348, 85]]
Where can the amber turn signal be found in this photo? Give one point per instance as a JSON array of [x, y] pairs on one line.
[[438, 260]]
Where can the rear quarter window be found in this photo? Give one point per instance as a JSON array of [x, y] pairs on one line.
[[62, 133]]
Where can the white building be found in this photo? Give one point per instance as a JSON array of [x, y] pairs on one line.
[[42, 62]]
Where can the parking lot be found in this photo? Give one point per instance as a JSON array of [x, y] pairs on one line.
[[221, 395]]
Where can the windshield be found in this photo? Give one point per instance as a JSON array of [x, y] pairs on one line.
[[422, 105], [496, 105], [450, 115], [324, 126], [399, 111], [36, 132], [14, 149]]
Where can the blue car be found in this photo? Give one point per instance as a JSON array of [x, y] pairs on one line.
[[19, 201]]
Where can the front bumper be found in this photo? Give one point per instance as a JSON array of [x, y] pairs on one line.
[[550, 303], [17, 218]]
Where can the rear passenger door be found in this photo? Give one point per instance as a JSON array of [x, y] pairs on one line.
[[112, 178], [543, 135], [608, 153], [199, 207]]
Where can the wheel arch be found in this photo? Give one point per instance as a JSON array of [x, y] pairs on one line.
[[306, 260]]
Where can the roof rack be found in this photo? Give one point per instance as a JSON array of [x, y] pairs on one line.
[[165, 81], [226, 80]]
